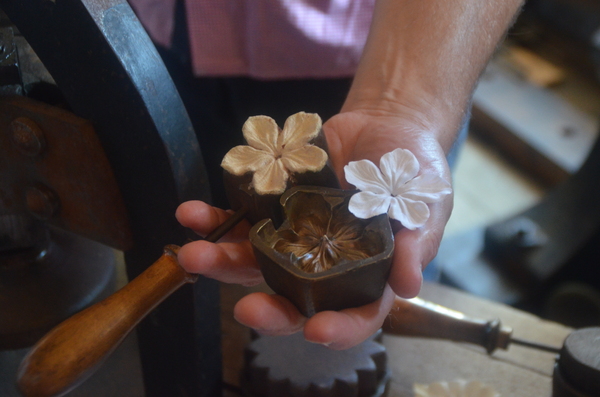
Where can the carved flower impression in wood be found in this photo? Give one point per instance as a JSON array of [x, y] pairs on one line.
[[323, 233], [322, 257], [272, 154], [394, 188]]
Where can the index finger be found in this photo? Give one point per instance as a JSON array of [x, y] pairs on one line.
[[203, 218]]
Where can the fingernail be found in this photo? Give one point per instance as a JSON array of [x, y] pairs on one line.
[[326, 344], [274, 332], [265, 332]]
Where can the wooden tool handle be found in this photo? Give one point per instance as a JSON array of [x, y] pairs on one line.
[[70, 352], [416, 317]]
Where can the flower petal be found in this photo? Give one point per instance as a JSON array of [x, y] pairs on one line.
[[366, 205], [398, 167], [271, 179], [306, 158], [261, 132], [299, 129], [366, 177], [242, 159], [412, 214], [428, 188]]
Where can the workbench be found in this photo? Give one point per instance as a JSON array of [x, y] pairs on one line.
[[516, 372]]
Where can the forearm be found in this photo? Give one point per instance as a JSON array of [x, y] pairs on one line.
[[423, 59]]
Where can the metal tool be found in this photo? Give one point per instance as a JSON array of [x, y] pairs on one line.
[[417, 317], [72, 351]]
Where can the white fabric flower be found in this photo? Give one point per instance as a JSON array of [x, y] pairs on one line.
[[273, 153], [394, 188], [457, 388]]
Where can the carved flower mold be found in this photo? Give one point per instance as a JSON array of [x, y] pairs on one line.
[[351, 278]]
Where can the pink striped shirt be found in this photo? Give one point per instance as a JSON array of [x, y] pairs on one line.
[[266, 39]]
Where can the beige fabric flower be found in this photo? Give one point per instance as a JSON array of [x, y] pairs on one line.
[[273, 154]]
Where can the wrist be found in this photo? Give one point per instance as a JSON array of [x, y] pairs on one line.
[[423, 111]]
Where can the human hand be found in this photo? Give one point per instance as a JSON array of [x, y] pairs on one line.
[[368, 134], [232, 260]]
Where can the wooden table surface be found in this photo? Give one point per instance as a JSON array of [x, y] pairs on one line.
[[516, 372]]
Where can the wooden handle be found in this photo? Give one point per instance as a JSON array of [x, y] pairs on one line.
[[416, 317], [70, 352]]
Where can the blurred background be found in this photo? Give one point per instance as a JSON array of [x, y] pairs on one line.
[[521, 228]]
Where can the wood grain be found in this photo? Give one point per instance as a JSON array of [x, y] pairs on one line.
[[71, 352], [417, 317]]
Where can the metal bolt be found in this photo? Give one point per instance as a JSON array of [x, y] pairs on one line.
[[569, 131], [528, 234], [42, 201], [27, 136]]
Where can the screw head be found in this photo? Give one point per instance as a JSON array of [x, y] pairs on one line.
[[42, 201], [27, 136]]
